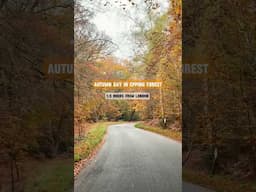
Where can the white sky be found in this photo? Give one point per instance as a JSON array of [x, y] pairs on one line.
[[119, 24]]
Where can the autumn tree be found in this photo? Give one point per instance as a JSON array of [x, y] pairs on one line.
[[24, 81]]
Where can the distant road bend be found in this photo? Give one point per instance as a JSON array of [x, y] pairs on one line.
[[133, 160]]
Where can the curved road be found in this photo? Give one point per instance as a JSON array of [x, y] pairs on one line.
[[133, 160]]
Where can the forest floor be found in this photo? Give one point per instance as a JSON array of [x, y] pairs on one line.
[[39, 174], [172, 134], [217, 182], [49, 175]]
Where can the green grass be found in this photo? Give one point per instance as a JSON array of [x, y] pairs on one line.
[[219, 183], [51, 175], [176, 135], [85, 147]]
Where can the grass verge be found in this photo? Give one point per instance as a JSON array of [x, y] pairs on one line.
[[176, 135], [218, 183], [51, 175], [92, 139], [95, 135]]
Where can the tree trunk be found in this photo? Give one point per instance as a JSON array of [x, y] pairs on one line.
[[188, 155], [17, 169], [12, 176]]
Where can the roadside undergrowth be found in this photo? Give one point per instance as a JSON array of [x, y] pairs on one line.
[[88, 146], [218, 182], [175, 135]]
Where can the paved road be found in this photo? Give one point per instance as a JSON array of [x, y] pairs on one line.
[[188, 187], [133, 160]]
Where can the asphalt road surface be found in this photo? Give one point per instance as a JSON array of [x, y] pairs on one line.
[[134, 160]]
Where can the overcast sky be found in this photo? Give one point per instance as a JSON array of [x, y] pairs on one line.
[[119, 24]]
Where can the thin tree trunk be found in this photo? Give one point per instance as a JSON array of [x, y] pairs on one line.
[[188, 154], [12, 176], [17, 169]]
